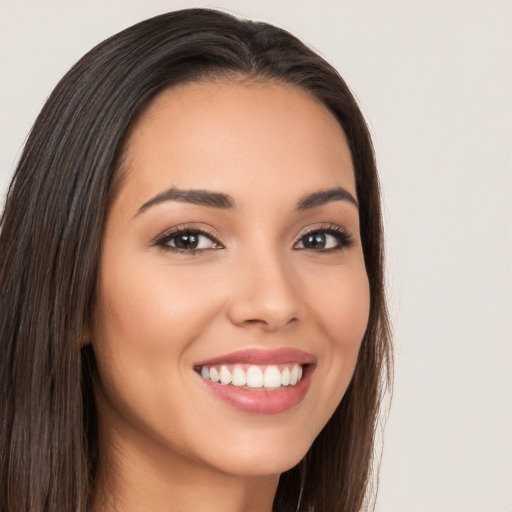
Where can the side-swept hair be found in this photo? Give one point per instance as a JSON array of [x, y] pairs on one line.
[[50, 239]]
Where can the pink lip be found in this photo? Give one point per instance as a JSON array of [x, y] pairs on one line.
[[262, 402], [262, 357]]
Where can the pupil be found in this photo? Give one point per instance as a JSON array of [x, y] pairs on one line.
[[187, 241], [315, 241]]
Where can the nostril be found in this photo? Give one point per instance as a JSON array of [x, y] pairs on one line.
[[270, 324]]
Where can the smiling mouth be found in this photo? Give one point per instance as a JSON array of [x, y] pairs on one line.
[[259, 381], [254, 377]]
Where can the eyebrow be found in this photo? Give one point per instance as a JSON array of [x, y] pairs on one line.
[[226, 202], [326, 196], [199, 197]]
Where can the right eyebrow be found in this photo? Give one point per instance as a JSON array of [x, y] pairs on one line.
[[199, 197]]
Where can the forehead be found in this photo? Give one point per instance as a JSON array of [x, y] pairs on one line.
[[235, 137]]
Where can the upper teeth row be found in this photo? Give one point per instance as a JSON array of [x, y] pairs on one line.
[[254, 376]]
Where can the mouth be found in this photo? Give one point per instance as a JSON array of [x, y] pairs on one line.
[[259, 381]]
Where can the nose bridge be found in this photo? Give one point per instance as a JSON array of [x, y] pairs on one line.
[[264, 291]]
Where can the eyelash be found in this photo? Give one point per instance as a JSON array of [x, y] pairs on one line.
[[343, 239]]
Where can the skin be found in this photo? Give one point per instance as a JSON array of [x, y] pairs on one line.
[[167, 442]]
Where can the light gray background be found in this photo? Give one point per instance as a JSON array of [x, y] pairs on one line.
[[434, 79]]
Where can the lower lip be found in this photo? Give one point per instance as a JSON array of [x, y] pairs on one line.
[[262, 402]]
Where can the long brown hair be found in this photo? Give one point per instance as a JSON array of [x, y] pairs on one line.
[[50, 240]]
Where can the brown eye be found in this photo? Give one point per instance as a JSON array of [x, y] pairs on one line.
[[324, 240], [316, 241], [187, 241]]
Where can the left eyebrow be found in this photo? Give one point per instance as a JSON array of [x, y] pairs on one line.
[[326, 196]]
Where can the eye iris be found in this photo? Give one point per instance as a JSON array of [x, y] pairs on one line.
[[186, 241], [315, 241]]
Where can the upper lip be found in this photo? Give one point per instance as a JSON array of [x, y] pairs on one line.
[[261, 357]]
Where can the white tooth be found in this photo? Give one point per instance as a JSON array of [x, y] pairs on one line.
[[204, 372], [225, 375], [254, 377], [294, 375], [299, 375], [285, 376], [214, 374], [239, 378], [272, 377]]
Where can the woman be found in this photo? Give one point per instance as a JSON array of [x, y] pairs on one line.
[[192, 309]]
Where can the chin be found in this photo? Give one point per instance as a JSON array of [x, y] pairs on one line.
[[258, 460]]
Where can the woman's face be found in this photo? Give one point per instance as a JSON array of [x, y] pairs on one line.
[[231, 251]]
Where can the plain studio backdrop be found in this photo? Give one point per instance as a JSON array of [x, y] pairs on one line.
[[434, 79]]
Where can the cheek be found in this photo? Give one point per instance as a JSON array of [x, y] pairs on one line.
[[342, 306], [342, 309], [147, 308], [145, 321]]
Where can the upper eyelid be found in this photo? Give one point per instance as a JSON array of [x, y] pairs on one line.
[[327, 227]]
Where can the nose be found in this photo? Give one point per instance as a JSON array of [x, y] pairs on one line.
[[264, 294]]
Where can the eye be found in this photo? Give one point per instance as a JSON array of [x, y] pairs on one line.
[[327, 239], [187, 240]]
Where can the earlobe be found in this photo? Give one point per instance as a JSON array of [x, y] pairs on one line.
[[88, 328], [85, 336]]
